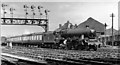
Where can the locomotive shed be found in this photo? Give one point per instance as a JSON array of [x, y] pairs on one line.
[[61, 57]]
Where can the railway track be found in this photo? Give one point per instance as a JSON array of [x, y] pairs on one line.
[[65, 57]]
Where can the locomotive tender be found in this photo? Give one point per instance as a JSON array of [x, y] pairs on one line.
[[64, 39]]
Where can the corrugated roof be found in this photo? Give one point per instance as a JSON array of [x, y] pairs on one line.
[[93, 24]]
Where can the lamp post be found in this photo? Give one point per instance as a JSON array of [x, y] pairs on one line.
[[4, 12], [39, 7], [112, 16]]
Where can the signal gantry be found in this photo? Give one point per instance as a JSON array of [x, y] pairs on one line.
[[43, 22]]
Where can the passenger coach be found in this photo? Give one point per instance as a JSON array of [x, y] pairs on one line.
[[36, 39]]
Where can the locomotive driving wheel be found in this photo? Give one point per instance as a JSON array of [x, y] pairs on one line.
[[92, 47]]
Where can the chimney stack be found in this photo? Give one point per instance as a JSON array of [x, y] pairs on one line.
[[60, 25], [87, 26]]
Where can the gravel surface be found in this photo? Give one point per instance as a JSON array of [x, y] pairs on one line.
[[60, 54]]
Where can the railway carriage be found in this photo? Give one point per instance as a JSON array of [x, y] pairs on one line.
[[36, 39]]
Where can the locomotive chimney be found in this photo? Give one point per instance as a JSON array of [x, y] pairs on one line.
[[60, 25]]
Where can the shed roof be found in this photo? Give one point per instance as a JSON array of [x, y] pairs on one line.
[[93, 24]]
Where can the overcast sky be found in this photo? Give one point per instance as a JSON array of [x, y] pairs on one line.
[[61, 12]]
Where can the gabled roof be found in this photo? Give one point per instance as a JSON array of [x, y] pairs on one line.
[[93, 24]]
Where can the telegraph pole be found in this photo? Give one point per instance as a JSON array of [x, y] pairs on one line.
[[112, 15]]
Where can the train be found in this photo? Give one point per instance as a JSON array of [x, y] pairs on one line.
[[70, 39]]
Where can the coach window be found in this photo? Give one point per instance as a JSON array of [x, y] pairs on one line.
[[27, 38], [17, 39], [13, 39], [20, 38], [40, 37], [23, 38], [33, 37], [37, 37], [30, 37]]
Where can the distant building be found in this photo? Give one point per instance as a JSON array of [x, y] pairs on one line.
[[109, 32], [67, 25], [93, 24]]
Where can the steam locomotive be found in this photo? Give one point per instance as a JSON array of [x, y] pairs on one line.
[[64, 39]]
